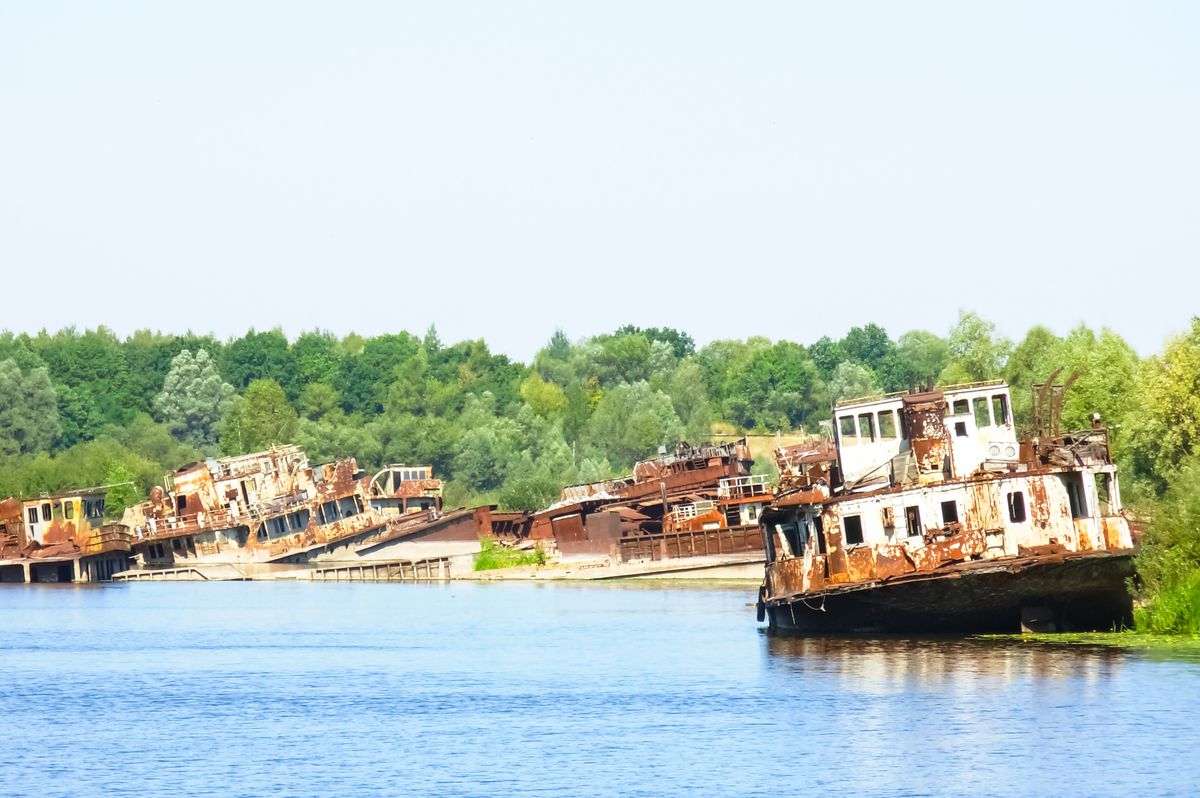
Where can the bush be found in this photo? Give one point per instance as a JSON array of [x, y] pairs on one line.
[[1168, 563], [492, 556]]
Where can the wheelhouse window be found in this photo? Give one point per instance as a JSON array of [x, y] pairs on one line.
[[1016, 507], [848, 433], [887, 424], [69, 510], [960, 429], [866, 427], [46, 511], [912, 520], [852, 526], [982, 417], [33, 515], [1000, 409], [950, 512], [961, 408]]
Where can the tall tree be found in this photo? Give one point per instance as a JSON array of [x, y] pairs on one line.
[[370, 373], [682, 345], [778, 386], [632, 421], [28, 410], [194, 398], [690, 398], [258, 420], [924, 356], [318, 357], [976, 352], [260, 356], [868, 345], [1166, 429], [851, 381]]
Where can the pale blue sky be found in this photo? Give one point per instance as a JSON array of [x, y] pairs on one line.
[[504, 168]]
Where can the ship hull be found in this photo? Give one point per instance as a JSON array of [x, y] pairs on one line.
[[1081, 592]]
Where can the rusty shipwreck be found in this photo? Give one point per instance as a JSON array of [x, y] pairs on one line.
[[61, 538], [937, 518], [694, 508], [271, 514]]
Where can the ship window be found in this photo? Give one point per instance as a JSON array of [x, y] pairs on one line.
[[46, 511], [950, 512], [1000, 409], [1074, 485], [852, 524], [982, 417], [1104, 493], [792, 538], [1016, 507], [961, 408], [866, 427], [887, 424], [58, 511], [849, 435], [33, 516], [960, 429], [912, 520], [69, 509], [180, 504]]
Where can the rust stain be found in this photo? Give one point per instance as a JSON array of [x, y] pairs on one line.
[[892, 561], [860, 564], [1039, 505], [1082, 534]]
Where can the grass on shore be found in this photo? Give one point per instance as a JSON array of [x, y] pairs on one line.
[[492, 556], [1142, 641], [1174, 609]]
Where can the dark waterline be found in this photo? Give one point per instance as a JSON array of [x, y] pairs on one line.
[[553, 689]]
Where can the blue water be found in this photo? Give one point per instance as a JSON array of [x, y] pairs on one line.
[[516, 689]]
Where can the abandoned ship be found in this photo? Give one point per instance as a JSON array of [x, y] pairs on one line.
[[271, 513], [695, 507], [936, 518], [262, 515], [61, 538]]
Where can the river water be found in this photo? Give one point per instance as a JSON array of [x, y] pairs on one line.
[[554, 689]]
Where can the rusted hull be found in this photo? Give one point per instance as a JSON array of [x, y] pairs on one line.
[[1074, 592]]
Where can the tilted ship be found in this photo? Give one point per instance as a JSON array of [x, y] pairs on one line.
[[935, 517]]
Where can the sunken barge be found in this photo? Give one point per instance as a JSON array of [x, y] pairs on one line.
[[934, 517]]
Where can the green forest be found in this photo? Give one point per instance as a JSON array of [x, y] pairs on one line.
[[90, 408]]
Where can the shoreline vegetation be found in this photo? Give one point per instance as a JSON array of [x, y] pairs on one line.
[[91, 409], [492, 556]]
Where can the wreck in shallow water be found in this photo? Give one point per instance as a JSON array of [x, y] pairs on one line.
[[61, 538], [936, 518], [271, 512]]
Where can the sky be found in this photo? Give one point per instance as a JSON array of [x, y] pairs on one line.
[[501, 170]]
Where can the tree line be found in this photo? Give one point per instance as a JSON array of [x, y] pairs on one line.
[[83, 408]]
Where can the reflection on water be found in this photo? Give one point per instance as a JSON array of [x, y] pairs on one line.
[[547, 690], [908, 663]]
